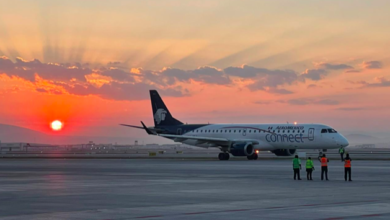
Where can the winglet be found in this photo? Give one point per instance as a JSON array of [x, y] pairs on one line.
[[147, 129]]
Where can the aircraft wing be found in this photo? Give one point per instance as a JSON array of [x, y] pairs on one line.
[[218, 141]]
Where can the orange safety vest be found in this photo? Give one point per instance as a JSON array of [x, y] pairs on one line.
[[347, 163], [324, 162]]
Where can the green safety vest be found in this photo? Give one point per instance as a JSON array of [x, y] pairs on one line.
[[341, 150], [309, 164], [296, 163]]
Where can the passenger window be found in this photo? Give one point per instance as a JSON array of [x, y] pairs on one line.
[[283, 131], [278, 131], [288, 131], [250, 131], [239, 131], [324, 131], [274, 131], [293, 131], [303, 131], [234, 131]]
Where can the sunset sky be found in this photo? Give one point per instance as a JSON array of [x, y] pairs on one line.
[[91, 63]]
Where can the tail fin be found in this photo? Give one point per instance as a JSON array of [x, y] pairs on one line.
[[161, 114]]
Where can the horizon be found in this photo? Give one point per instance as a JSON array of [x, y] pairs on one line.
[[90, 64]]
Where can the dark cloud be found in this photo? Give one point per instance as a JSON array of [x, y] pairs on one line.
[[382, 82], [352, 71], [263, 102], [330, 66], [327, 102], [372, 65], [209, 75], [118, 74], [312, 86], [120, 91], [115, 82], [349, 109], [279, 91], [265, 79], [28, 69], [41, 90], [314, 74], [170, 76], [306, 101]]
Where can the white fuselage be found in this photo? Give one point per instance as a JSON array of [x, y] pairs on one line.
[[272, 136]]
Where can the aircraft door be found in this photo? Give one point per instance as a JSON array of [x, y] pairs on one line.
[[311, 134], [179, 131]]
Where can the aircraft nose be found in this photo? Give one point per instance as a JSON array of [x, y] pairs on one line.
[[343, 141]]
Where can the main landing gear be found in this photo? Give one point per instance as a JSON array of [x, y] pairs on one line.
[[223, 156], [254, 156]]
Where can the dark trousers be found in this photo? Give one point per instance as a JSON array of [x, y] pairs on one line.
[[308, 173], [324, 170], [342, 156], [297, 172], [347, 170]]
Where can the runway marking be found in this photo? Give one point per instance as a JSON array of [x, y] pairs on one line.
[[371, 215], [151, 216], [268, 208], [357, 216]]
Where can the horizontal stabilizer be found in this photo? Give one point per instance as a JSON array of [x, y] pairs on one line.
[[147, 129], [132, 126]]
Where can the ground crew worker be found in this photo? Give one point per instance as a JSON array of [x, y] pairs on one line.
[[324, 167], [297, 167], [309, 168], [341, 151], [347, 167]]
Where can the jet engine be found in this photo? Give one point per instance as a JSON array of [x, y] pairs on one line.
[[284, 152], [242, 149]]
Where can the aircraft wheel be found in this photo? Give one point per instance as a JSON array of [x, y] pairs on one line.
[[255, 156], [249, 157], [221, 156], [227, 156]]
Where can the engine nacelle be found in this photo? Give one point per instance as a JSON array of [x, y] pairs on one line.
[[284, 152], [244, 149]]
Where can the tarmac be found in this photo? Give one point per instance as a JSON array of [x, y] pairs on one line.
[[189, 189], [183, 153]]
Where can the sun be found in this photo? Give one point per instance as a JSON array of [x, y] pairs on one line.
[[56, 125]]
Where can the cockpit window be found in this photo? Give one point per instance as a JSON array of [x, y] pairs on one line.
[[332, 131], [324, 131]]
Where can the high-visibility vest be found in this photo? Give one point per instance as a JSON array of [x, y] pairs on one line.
[[341, 150], [296, 163], [324, 162], [309, 164], [347, 163]]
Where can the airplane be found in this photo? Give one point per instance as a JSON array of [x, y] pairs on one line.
[[242, 139]]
